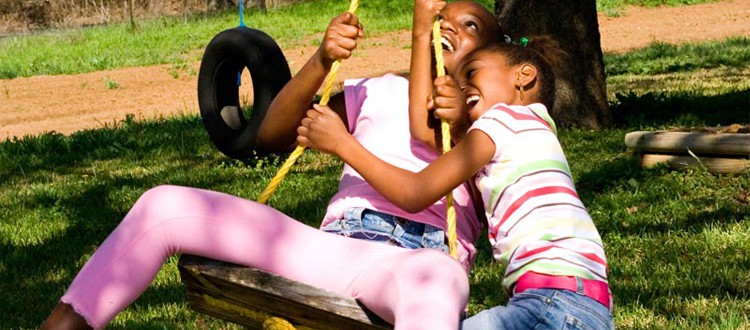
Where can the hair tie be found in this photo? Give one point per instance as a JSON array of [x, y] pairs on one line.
[[524, 41], [507, 39]]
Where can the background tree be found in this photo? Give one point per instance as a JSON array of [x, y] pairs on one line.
[[131, 17], [581, 98]]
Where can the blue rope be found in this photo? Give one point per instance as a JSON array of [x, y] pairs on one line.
[[242, 23]]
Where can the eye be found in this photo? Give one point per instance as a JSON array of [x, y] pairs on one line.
[[472, 25], [470, 73]]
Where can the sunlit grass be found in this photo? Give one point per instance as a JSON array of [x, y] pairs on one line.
[[706, 82], [677, 242], [177, 40]]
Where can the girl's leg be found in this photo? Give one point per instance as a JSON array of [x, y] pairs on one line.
[[168, 220], [419, 289], [544, 309]]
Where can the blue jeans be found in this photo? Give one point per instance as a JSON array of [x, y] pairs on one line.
[[544, 309], [383, 227]]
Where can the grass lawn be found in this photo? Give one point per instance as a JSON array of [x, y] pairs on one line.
[[677, 242]]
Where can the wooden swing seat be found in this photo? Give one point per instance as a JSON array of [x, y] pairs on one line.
[[251, 297]]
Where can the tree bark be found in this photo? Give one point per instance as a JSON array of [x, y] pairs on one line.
[[131, 17], [581, 91]]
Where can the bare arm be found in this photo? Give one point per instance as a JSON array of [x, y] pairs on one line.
[[278, 130], [420, 70], [412, 192]]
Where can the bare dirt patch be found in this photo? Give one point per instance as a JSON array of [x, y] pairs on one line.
[[68, 103]]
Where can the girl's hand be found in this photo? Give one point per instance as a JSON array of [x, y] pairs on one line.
[[340, 39], [425, 12], [322, 130], [449, 104]]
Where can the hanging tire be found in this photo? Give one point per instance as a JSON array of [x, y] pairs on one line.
[[228, 53]]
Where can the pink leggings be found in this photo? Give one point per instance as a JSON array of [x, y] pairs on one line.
[[413, 289]]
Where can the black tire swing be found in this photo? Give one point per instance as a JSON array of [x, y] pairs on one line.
[[228, 53]]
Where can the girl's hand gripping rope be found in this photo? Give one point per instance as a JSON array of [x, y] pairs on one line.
[[449, 105], [340, 39], [334, 47]]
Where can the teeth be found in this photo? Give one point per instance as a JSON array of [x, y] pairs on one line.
[[446, 43], [472, 99]]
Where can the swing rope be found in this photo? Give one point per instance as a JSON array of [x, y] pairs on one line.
[[276, 323], [242, 21], [446, 134], [327, 87], [242, 24]]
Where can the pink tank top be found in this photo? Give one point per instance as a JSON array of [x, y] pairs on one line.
[[378, 117]]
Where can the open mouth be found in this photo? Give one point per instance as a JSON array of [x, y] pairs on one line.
[[446, 44], [471, 100]]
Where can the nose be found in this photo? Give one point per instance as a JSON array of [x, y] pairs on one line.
[[446, 25]]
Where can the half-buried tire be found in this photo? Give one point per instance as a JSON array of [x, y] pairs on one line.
[[228, 53]]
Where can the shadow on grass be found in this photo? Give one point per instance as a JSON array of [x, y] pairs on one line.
[[616, 179], [609, 174], [34, 275], [683, 109], [92, 219]]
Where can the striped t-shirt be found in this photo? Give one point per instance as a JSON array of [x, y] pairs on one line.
[[537, 222]]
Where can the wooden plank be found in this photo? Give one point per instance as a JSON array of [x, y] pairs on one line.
[[714, 165], [249, 296], [734, 144]]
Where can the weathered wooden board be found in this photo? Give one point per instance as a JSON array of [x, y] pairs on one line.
[[712, 164], [249, 297], [664, 142]]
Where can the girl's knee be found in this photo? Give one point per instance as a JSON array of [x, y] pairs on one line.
[[432, 267], [160, 192], [165, 198], [160, 202]]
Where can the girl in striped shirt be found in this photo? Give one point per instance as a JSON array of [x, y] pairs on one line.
[[555, 267]]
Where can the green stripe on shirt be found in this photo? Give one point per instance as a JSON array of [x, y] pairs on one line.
[[522, 170]]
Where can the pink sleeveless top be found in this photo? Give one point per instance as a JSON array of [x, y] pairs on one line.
[[378, 117]]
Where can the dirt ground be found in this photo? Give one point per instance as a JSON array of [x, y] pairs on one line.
[[68, 103]]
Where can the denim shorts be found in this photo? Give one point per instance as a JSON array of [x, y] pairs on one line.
[[544, 309], [377, 226]]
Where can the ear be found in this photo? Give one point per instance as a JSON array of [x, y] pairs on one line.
[[526, 75]]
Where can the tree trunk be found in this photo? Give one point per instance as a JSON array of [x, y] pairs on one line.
[[222, 4], [581, 97], [131, 17]]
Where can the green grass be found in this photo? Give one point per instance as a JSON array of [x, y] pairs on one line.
[[614, 7], [666, 58], [177, 40], [677, 242], [61, 196]]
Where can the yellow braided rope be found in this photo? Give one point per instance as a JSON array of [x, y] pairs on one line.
[[445, 128], [446, 132], [277, 323], [274, 323], [327, 87]]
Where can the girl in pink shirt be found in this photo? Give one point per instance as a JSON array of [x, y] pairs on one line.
[[411, 288]]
